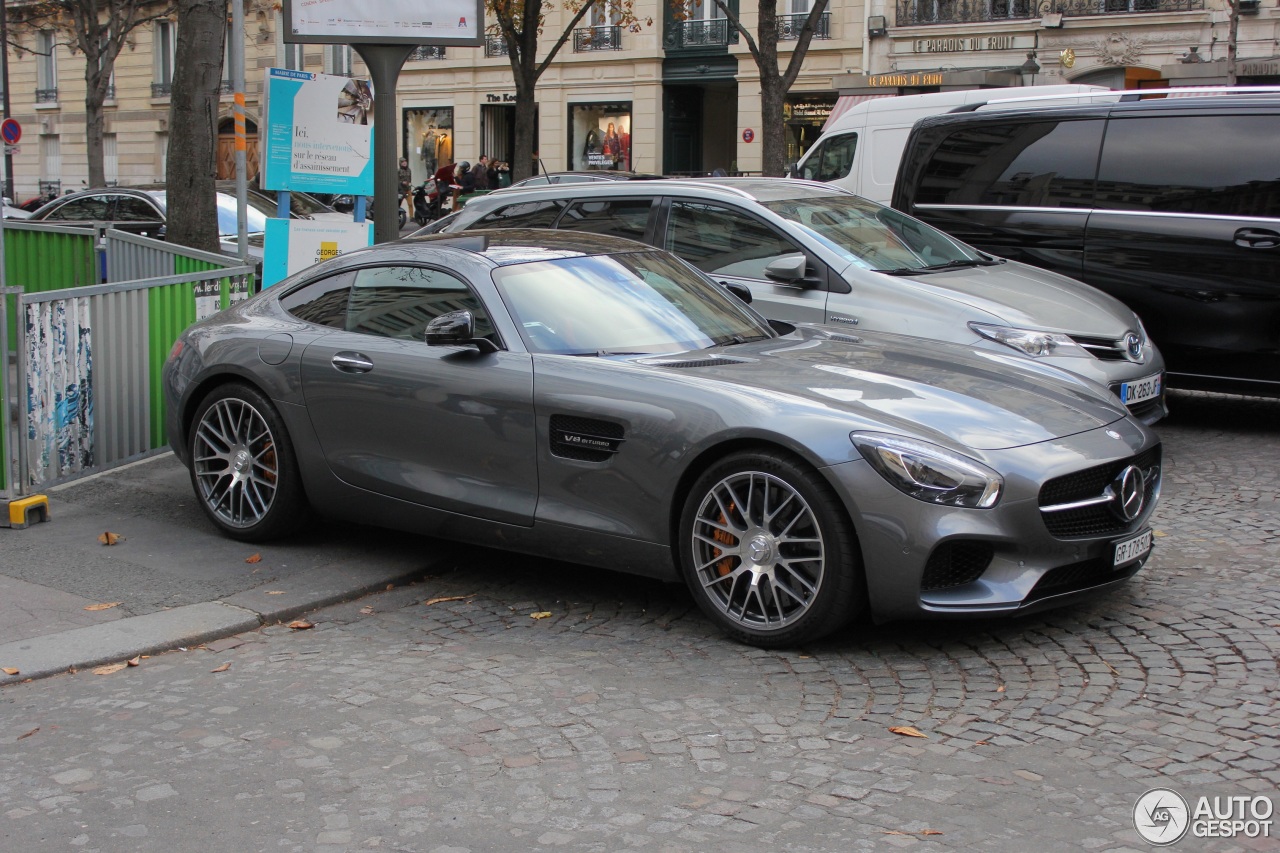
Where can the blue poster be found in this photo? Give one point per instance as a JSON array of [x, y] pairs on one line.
[[319, 133]]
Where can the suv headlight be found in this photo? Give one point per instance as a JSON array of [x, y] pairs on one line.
[[928, 472], [1032, 342]]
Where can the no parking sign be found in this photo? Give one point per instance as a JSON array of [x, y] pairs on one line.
[[11, 131]]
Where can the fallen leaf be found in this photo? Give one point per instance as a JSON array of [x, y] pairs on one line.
[[980, 742], [109, 669], [134, 661], [226, 666], [275, 592], [300, 625], [1000, 689], [391, 586], [105, 605], [28, 734], [9, 670], [541, 614], [256, 558], [110, 538], [930, 832], [909, 731], [444, 598], [366, 610]]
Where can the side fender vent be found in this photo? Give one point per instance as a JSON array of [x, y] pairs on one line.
[[709, 361], [585, 439]]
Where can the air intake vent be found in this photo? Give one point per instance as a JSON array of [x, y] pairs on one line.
[[709, 361], [584, 439]]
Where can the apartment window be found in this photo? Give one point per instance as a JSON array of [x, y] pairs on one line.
[[166, 46], [111, 159], [292, 58], [704, 10], [50, 160], [227, 70], [46, 68], [338, 60], [162, 154]]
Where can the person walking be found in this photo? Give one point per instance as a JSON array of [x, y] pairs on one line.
[[404, 185], [482, 173]]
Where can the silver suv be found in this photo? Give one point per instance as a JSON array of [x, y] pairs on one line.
[[812, 252]]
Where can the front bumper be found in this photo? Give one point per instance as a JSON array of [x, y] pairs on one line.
[[1024, 566]]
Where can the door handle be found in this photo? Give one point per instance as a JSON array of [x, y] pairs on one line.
[[352, 362], [1257, 238]]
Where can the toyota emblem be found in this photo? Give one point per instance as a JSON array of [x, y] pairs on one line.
[[1133, 346], [1129, 488]]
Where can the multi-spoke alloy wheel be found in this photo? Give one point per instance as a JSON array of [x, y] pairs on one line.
[[242, 465], [768, 550]]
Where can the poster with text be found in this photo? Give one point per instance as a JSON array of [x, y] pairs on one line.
[[319, 133], [402, 21], [292, 245]]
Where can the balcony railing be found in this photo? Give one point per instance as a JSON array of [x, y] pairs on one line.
[[789, 26], [495, 47], [427, 52], [597, 38], [161, 90], [694, 34], [46, 96], [912, 13], [50, 189]]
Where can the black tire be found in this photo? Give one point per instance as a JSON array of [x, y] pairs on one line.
[[795, 540], [243, 467], [403, 216], [420, 219]]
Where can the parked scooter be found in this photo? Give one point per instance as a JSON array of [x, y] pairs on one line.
[[426, 204]]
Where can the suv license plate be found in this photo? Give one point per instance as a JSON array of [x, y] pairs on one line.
[[1128, 550], [1140, 390]]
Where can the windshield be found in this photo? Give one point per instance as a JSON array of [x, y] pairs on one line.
[[871, 235], [641, 302], [256, 220]]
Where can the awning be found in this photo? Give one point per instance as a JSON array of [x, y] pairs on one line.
[[845, 102]]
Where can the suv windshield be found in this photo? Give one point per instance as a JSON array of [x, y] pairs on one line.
[[874, 236], [641, 302]]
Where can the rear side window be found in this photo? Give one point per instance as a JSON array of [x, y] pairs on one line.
[[721, 241], [628, 217], [322, 302], [1025, 164], [832, 160], [1223, 165], [399, 302], [530, 214], [85, 209]]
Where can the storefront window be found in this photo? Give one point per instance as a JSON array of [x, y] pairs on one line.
[[428, 140], [600, 137], [804, 116]]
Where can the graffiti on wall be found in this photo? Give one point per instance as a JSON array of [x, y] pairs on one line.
[[59, 367]]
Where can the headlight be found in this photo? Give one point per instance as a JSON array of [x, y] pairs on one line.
[[1032, 342], [928, 472]]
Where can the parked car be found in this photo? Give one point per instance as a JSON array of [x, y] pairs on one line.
[[860, 147], [592, 399], [1171, 205], [302, 205], [578, 177], [812, 252], [12, 212]]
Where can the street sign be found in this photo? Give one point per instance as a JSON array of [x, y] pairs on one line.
[[13, 149], [11, 131]]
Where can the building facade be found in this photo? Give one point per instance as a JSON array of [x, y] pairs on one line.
[[679, 96]]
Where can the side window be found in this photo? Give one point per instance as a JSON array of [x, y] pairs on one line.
[[86, 209], [1163, 164], [131, 209], [322, 302], [833, 160], [627, 218], [1019, 164], [722, 241], [530, 214], [399, 302]]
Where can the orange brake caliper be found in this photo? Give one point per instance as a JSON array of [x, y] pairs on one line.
[[726, 565]]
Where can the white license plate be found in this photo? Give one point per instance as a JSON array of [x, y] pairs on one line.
[[1129, 550], [1140, 390]]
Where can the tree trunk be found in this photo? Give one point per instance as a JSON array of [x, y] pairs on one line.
[[773, 130], [526, 146], [1233, 41], [94, 93], [193, 133]]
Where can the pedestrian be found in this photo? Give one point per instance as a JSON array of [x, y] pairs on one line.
[[444, 187], [482, 173], [464, 181], [404, 185]]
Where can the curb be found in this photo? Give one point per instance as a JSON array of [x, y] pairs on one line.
[[190, 625]]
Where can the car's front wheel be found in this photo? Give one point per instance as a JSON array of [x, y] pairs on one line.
[[243, 466], [769, 552]]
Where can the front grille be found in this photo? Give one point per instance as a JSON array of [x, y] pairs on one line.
[[1104, 349], [956, 563], [1097, 519], [1149, 407], [600, 438], [1077, 576]]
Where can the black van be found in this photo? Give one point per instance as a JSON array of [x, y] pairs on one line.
[[1170, 204]]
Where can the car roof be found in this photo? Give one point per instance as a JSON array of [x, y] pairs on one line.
[[506, 246], [752, 189], [1120, 102]]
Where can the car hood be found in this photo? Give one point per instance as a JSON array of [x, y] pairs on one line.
[[1025, 296], [944, 392]]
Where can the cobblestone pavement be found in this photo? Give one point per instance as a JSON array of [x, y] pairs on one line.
[[442, 717]]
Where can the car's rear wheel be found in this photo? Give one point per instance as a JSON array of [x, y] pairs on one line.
[[769, 552], [243, 466]]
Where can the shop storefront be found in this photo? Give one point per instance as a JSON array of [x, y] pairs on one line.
[[428, 141], [600, 136], [804, 115]]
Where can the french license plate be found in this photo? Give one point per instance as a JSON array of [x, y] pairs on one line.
[[1140, 390], [1128, 550]]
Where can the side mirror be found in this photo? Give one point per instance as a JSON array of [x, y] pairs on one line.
[[793, 171], [739, 290], [457, 328], [788, 269]]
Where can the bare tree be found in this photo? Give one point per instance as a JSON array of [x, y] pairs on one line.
[[519, 23], [774, 82], [97, 29], [193, 120]]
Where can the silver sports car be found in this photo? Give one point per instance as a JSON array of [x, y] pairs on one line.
[[599, 401]]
